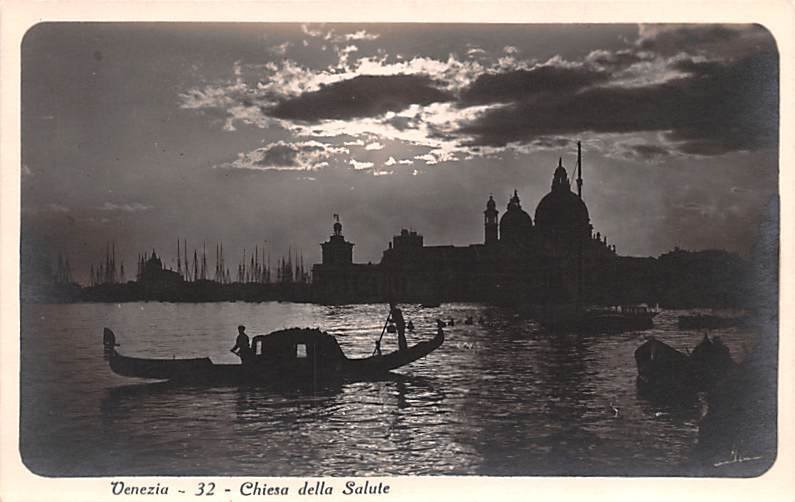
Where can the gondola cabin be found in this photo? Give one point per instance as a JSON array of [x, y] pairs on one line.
[[296, 353]]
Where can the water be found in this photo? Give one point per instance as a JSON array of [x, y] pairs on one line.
[[501, 398]]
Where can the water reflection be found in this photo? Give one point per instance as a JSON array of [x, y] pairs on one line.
[[500, 397]]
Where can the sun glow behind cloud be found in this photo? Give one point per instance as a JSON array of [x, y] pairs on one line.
[[443, 110]]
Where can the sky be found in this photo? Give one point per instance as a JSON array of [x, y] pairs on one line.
[[256, 134]]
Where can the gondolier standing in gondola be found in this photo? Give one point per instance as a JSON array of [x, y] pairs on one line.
[[396, 316], [242, 346]]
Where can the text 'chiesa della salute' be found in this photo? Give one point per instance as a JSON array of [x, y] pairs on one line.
[[558, 258]]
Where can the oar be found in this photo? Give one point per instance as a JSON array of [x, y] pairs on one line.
[[378, 343]]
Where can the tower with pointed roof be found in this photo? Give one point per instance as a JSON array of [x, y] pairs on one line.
[[491, 222]]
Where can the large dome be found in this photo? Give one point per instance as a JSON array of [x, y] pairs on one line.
[[561, 210]]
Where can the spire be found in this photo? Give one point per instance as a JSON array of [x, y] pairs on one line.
[[337, 225], [579, 170], [560, 180], [514, 202]]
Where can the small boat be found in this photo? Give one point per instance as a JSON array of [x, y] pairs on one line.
[[598, 319], [296, 356], [662, 368], [665, 371], [625, 318]]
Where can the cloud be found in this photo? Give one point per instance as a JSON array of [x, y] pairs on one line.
[[429, 159], [390, 161], [374, 146], [527, 84], [132, 207], [333, 37], [280, 49], [714, 108], [282, 155], [677, 80], [361, 35], [615, 60], [642, 152], [362, 96], [360, 165], [287, 156], [713, 40], [552, 142], [475, 51]]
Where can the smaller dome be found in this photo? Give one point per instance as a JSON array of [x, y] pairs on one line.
[[491, 204], [337, 228], [515, 219], [515, 224]]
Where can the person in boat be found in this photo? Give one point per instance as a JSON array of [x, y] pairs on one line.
[[242, 346], [396, 316]]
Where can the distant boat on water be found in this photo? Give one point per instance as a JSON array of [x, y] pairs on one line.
[[597, 319], [290, 357]]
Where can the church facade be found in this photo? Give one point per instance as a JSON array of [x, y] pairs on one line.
[[553, 257]]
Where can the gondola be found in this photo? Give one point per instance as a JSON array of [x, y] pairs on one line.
[[286, 357], [666, 372]]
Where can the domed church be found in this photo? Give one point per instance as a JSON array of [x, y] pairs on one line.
[[562, 216], [562, 223], [554, 259]]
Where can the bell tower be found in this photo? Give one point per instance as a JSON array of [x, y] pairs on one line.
[[337, 251], [491, 221]]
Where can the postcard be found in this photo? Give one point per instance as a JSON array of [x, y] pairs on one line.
[[381, 255]]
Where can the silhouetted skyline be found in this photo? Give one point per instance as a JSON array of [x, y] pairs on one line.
[[143, 134]]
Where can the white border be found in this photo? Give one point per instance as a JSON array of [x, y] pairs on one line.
[[19, 484]]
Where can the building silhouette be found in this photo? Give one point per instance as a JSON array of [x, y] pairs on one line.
[[555, 259], [337, 279]]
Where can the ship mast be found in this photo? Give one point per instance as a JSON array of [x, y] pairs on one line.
[[579, 170]]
